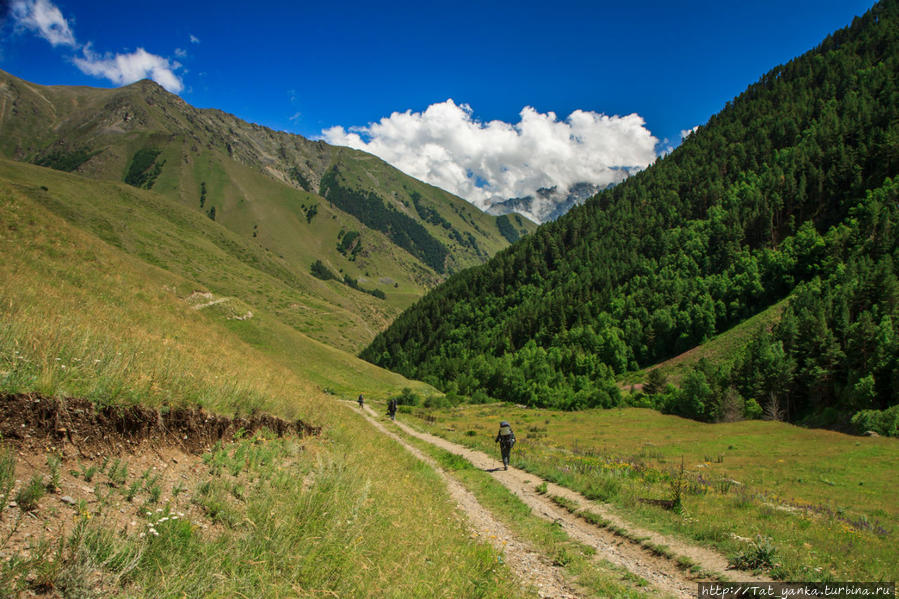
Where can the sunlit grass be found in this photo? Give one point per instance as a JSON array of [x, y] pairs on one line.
[[598, 578], [80, 318], [281, 517]]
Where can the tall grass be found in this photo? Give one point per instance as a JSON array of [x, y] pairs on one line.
[[347, 515]]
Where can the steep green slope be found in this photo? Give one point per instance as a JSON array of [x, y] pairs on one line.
[[209, 268], [788, 184], [261, 184]]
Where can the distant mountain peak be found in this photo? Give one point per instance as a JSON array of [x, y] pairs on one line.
[[547, 204]]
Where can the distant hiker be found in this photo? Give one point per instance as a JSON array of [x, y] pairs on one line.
[[391, 409], [506, 439], [361, 400]]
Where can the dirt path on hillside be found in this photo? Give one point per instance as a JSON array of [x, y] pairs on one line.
[[660, 571], [531, 566]]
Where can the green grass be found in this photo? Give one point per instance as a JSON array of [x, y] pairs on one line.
[[81, 317], [85, 314], [299, 518], [823, 498], [247, 171], [30, 493]]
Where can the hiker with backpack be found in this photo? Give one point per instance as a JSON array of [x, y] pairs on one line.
[[391, 409], [506, 439], [361, 400]]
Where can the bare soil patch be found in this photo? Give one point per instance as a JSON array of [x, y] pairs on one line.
[[122, 467], [31, 421]]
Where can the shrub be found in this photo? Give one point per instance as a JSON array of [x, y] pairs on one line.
[[407, 397], [759, 555], [31, 493], [320, 271], [882, 422]]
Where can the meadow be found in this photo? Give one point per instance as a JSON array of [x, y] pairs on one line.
[[795, 503]]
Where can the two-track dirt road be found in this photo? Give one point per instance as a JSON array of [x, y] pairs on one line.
[[660, 571]]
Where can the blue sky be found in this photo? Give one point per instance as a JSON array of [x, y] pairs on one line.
[[309, 67]]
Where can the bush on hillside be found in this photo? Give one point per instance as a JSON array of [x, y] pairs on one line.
[[882, 422]]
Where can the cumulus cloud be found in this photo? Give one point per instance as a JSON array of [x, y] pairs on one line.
[[45, 19], [123, 69], [487, 162], [194, 39]]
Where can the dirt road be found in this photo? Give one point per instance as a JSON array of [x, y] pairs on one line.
[[660, 571], [532, 567]]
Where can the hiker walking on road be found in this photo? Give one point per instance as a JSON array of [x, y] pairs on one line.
[[361, 400], [391, 409], [506, 439]]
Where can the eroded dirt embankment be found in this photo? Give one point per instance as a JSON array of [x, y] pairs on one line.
[[31, 421]]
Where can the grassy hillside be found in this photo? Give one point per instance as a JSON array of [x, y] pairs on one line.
[[107, 316], [170, 257], [720, 349], [261, 184]]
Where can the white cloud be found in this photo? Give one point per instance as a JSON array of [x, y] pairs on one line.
[[44, 18], [180, 52], [194, 39], [123, 69], [485, 162]]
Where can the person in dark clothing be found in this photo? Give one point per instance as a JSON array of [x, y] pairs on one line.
[[506, 439], [391, 409], [361, 400]]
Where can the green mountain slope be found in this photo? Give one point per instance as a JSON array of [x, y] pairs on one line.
[[172, 253], [264, 186], [786, 190]]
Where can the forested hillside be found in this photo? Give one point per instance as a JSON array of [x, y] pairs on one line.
[[790, 190]]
